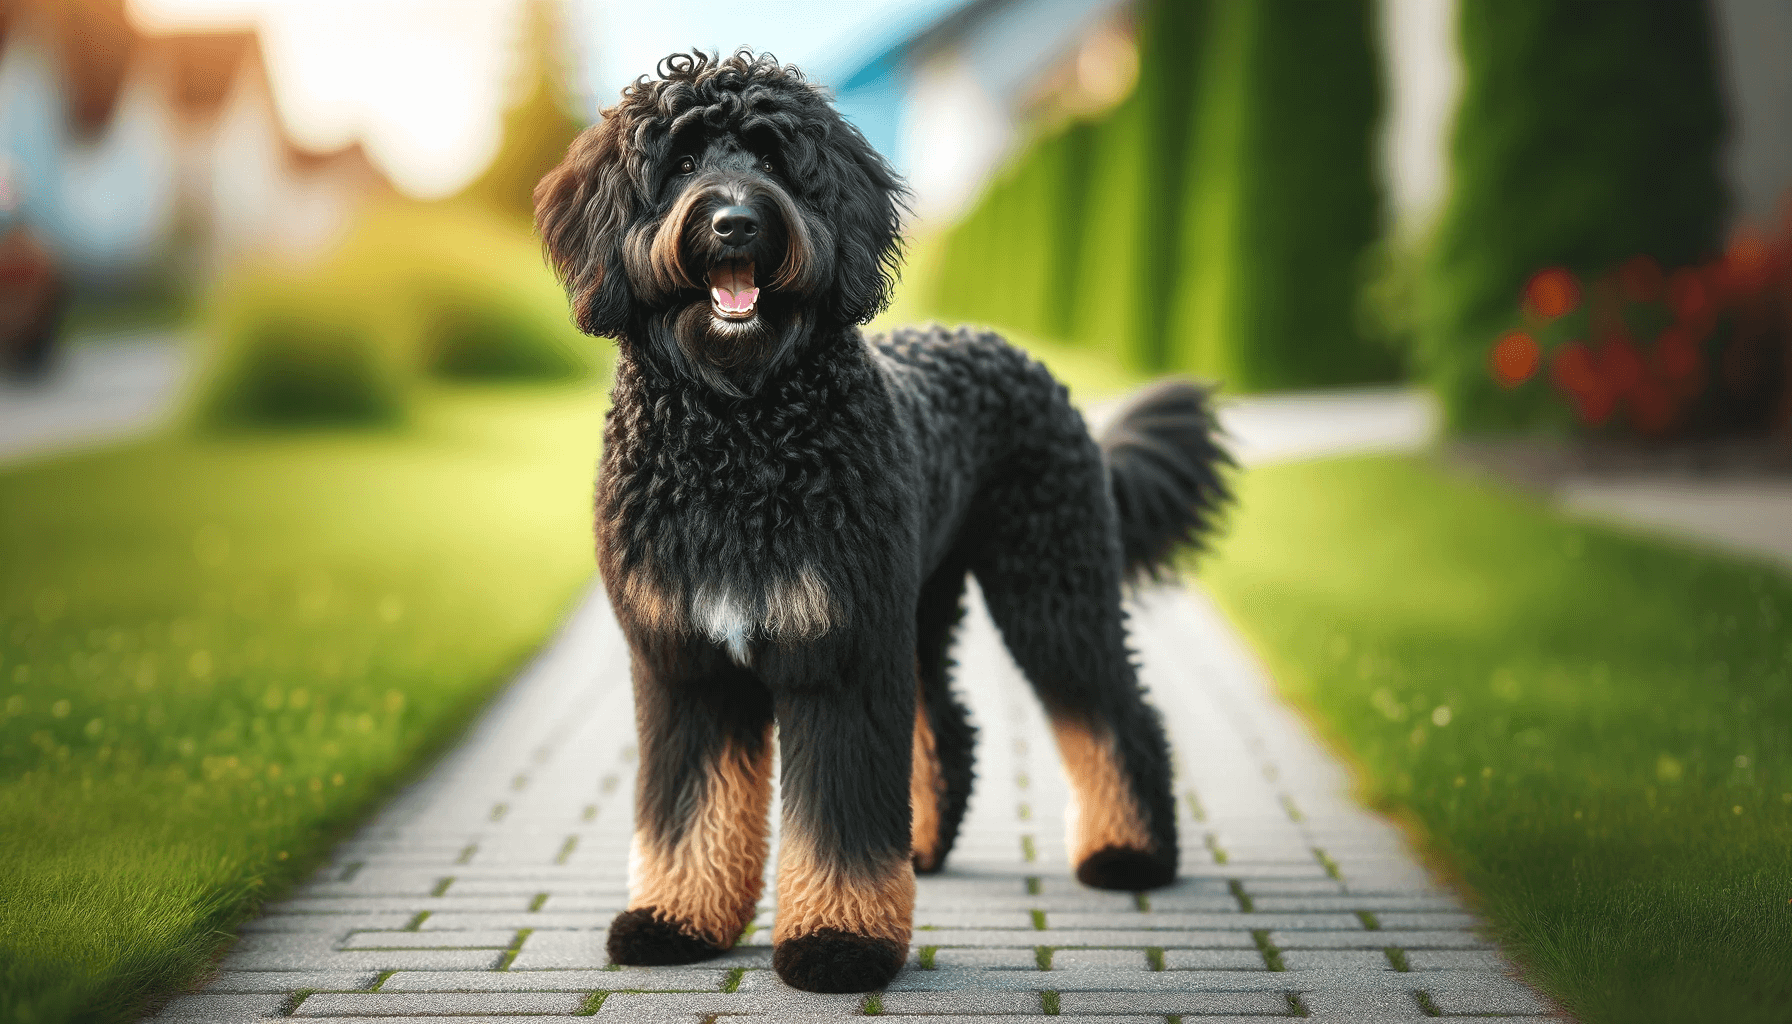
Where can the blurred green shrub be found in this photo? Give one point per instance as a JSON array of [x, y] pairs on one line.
[[1588, 133], [499, 335], [445, 290], [292, 353]]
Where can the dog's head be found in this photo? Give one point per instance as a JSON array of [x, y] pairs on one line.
[[720, 217]]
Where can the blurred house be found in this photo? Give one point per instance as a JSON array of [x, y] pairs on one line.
[[136, 157], [951, 86], [945, 92]]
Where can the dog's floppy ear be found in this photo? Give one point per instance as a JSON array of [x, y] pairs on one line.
[[582, 210], [867, 222]]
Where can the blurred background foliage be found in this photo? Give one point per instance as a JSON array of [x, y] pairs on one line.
[[1227, 217], [452, 292], [1588, 133]]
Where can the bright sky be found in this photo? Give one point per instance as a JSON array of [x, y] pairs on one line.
[[421, 83]]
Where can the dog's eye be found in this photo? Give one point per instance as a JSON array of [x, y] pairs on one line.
[[686, 165], [766, 165]]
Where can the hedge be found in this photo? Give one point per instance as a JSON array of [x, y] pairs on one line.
[[1588, 133]]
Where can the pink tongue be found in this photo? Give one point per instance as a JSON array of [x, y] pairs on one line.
[[735, 302]]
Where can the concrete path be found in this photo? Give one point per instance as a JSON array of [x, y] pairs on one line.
[[98, 391], [1749, 517], [485, 889]]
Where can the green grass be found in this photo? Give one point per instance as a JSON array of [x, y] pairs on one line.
[[217, 652], [1589, 729]]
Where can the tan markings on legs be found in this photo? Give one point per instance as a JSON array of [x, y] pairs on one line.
[[926, 788], [1102, 810], [799, 608], [815, 893], [708, 882]]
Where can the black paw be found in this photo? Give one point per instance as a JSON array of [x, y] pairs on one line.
[[1114, 867], [830, 960], [639, 939]]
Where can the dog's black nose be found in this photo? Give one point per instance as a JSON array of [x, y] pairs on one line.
[[735, 225]]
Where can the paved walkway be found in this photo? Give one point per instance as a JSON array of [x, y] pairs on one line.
[[485, 889], [99, 390], [1749, 517]]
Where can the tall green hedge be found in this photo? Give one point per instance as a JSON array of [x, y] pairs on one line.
[[1588, 132], [1283, 199], [1221, 210]]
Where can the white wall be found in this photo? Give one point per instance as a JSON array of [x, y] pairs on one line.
[[1755, 39]]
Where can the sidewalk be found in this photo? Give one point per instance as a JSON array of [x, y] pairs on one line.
[[98, 391]]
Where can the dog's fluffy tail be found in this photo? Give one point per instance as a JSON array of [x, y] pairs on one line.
[[1166, 465]]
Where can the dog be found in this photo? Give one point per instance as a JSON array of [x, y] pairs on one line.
[[788, 511]]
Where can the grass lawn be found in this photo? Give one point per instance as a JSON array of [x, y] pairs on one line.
[[216, 653], [1593, 731]]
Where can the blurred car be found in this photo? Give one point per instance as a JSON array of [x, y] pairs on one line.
[[30, 301]]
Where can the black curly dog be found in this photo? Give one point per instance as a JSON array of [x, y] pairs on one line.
[[787, 511]]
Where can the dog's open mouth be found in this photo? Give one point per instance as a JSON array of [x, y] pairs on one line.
[[731, 289]]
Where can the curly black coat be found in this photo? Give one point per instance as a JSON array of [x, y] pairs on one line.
[[787, 513]]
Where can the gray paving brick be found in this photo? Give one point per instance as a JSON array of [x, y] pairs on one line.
[[964, 1001], [629, 1006], [519, 1018], [339, 924], [1036, 1018], [223, 1006], [554, 950], [1428, 922], [291, 981], [1207, 921], [1362, 939], [397, 904], [1507, 999], [1351, 1007], [514, 920], [1173, 1002], [421, 1004], [1397, 907], [978, 918], [1336, 960], [1100, 959], [1012, 958], [365, 960], [1098, 937], [646, 979], [432, 939], [1458, 959], [1213, 960]]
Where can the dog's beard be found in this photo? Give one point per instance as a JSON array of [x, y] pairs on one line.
[[734, 354]]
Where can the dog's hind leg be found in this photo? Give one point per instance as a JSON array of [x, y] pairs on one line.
[[1050, 571], [702, 806], [941, 779]]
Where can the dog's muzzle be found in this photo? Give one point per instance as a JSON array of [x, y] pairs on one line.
[[731, 285], [731, 289]]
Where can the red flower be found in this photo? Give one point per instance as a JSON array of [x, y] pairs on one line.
[[1552, 293], [1514, 358], [1676, 354], [1747, 264], [1688, 294], [1642, 279], [1620, 364]]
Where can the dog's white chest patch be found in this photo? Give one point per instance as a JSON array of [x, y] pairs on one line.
[[792, 609]]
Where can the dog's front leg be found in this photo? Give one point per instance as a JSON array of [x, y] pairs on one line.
[[702, 803], [846, 885]]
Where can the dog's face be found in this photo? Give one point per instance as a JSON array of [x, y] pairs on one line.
[[720, 218]]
